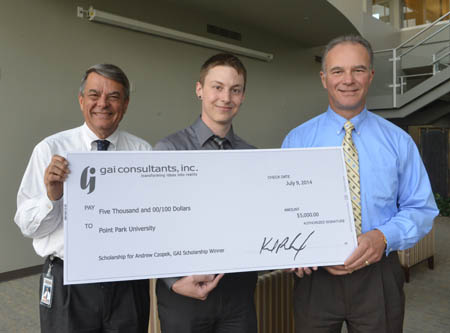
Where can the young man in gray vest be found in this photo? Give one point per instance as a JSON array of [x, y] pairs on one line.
[[209, 303]]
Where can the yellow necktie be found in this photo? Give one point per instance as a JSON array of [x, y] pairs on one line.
[[352, 166]]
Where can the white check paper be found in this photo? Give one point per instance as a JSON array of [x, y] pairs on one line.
[[135, 215]]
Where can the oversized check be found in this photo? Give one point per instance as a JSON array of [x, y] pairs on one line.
[[134, 215]]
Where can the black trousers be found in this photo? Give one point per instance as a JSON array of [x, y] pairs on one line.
[[229, 308], [96, 307], [370, 300]]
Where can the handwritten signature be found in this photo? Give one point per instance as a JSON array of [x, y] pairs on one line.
[[285, 244]]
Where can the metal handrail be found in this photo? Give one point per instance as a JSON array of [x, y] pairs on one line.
[[422, 31], [382, 51], [441, 57], [397, 55], [430, 36], [407, 46], [440, 50], [417, 75]]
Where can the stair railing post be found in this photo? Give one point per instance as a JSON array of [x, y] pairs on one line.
[[394, 78], [434, 64]]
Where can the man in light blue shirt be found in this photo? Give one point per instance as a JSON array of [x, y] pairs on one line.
[[397, 205]]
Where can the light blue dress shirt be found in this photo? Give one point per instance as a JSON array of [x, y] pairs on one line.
[[396, 195]]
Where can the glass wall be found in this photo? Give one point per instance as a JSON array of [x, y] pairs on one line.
[[418, 12]]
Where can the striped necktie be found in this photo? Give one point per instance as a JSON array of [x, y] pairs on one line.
[[352, 166], [220, 142]]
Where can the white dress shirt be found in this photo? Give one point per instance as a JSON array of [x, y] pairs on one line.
[[37, 216]]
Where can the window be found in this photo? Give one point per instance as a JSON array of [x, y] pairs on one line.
[[380, 10], [418, 12]]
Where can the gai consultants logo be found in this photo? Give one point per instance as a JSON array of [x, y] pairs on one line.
[[88, 183]]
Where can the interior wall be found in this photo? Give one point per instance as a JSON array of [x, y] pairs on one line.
[[380, 34], [443, 122], [46, 48]]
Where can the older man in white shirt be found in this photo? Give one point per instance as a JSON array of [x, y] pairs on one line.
[[97, 307]]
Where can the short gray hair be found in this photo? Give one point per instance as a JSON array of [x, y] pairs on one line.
[[109, 71], [353, 39]]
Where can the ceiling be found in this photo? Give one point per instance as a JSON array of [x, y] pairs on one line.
[[307, 22]]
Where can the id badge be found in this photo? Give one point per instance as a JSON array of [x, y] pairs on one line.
[[47, 289]]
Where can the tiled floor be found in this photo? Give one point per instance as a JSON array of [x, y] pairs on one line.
[[427, 295]]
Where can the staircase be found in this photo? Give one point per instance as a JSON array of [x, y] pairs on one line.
[[414, 74]]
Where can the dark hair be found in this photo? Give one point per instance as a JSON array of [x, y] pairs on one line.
[[353, 39], [223, 59], [109, 71]]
